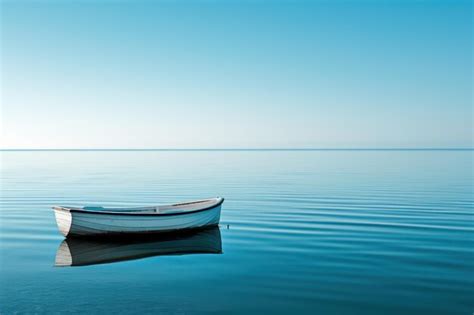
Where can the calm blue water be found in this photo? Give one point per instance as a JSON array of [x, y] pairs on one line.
[[316, 232]]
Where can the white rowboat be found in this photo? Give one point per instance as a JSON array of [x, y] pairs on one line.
[[103, 221]]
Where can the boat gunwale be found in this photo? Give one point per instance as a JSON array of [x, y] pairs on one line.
[[65, 209]]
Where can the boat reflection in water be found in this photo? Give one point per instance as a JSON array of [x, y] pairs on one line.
[[83, 252]]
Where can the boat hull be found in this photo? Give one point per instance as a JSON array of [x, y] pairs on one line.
[[72, 223]]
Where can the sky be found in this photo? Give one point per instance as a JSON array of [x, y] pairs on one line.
[[236, 74]]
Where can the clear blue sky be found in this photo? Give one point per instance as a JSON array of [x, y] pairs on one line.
[[233, 74]]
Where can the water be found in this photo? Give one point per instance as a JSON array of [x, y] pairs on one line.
[[316, 232]]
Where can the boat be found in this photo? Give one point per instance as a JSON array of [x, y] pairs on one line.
[[87, 221], [74, 251]]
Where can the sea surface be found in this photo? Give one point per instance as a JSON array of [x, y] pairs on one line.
[[302, 232]]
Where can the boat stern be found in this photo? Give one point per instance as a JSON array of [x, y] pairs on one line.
[[63, 219]]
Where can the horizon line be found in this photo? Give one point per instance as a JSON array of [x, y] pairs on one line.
[[250, 149]]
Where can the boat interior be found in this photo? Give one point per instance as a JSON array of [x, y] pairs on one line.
[[173, 208]]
